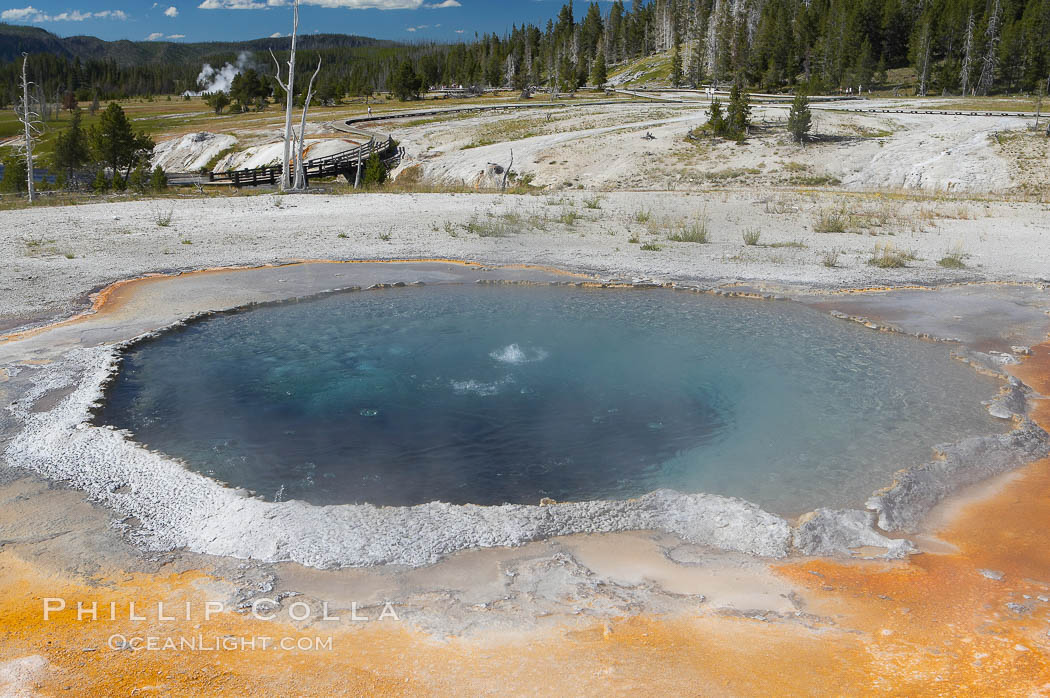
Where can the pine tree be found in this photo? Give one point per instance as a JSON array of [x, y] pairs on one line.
[[15, 175], [217, 101], [405, 84], [375, 171], [696, 62], [101, 184], [716, 121], [676, 66], [116, 145], [800, 119], [71, 149], [676, 56], [139, 179], [599, 73], [738, 114], [158, 180], [864, 67]]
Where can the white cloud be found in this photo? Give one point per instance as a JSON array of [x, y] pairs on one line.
[[232, 5], [276, 35], [154, 36], [368, 4], [177, 36], [171, 12], [17, 15], [31, 14], [347, 4]]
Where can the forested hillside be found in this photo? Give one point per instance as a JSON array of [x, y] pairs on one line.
[[953, 46], [956, 46], [91, 67]]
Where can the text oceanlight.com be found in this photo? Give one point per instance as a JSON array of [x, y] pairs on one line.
[[225, 643]]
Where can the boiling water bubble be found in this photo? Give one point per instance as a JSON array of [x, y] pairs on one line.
[[514, 354]]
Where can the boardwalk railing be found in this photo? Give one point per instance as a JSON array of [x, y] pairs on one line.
[[329, 166]]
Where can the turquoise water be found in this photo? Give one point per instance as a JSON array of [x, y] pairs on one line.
[[485, 395]]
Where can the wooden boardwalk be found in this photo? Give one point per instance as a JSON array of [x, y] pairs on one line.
[[342, 163]]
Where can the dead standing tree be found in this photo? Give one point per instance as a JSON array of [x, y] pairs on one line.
[[289, 89], [506, 172], [29, 119], [300, 166], [991, 57]]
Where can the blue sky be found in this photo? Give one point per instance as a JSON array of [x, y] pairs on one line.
[[222, 20]]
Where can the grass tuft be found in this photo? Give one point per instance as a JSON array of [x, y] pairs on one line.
[[953, 259], [570, 217], [695, 232], [487, 228], [888, 257], [164, 219], [831, 222]]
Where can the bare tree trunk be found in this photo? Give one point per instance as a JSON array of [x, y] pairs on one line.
[[924, 67], [967, 64], [300, 167], [991, 56], [506, 172], [289, 89], [26, 116]]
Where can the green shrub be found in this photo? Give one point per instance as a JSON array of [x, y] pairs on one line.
[[15, 180], [139, 179], [800, 119], [158, 180], [375, 172], [101, 183]]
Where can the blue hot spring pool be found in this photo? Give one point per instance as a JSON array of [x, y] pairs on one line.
[[493, 394]]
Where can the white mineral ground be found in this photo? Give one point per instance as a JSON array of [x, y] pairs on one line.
[[58, 255]]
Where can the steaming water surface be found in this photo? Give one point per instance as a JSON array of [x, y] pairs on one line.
[[486, 395]]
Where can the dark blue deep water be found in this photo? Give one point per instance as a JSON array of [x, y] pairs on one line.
[[511, 394]]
